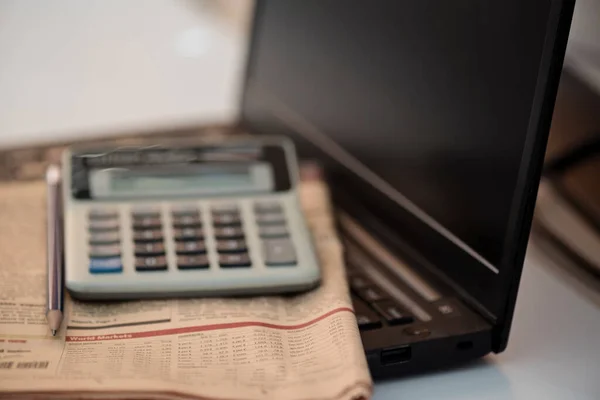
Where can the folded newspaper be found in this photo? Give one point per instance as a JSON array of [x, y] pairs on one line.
[[290, 347]]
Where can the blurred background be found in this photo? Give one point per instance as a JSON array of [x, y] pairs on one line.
[[70, 69], [75, 70]]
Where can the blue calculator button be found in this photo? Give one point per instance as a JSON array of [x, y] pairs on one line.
[[105, 265]]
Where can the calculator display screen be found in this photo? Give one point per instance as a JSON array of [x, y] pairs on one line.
[[170, 182], [237, 168], [201, 180]]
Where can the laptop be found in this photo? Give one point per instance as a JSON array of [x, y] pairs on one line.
[[431, 120]]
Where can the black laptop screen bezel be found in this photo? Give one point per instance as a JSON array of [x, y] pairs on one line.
[[474, 288]]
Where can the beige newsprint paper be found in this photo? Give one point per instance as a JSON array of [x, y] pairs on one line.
[[302, 347]]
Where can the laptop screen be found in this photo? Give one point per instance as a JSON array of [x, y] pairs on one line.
[[423, 112]]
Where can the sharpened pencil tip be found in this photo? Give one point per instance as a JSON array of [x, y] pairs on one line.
[[53, 332]]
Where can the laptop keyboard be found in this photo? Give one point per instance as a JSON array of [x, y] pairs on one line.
[[373, 307]]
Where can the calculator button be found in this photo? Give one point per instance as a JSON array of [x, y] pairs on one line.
[[179, 211], [149, 249], [104, 225], [99, 251], [229, 232], [273, 231], [279, 252], [146, 212], [146, 222], [225, 209], [150, 263], [148, 235], [190, 247], [270, 219], [105, 265], [234, 260], [226, 220], [103, 213], [231, 246], [104, 237], [182, 221], [267, 207], [192, 262], [188, 234]]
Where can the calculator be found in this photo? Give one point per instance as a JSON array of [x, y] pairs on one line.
[[186, 219]]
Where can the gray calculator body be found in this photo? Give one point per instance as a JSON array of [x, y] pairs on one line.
[[187, 219]]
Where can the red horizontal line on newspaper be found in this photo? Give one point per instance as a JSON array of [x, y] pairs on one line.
[[192, 329]]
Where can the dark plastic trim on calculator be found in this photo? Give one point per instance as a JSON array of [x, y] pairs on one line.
[[82, 162]]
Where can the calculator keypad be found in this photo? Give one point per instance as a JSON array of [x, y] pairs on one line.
[[147, 235], [229, 232], [103, 213], [226, 220], [105, 265], [278, 249], [141, 212], [101, 250], [273, 231], [110, 237], [188, 237], [103, 238], [146, 223], [187, 221], [186, 234], [143, 264], [265, 207], [192, 262], [149, 249], [185, 209], [103, 225], [234, 260], [278, 252], [226, 208], [231, 246], [190, 246], [276, 218], [148, 240]]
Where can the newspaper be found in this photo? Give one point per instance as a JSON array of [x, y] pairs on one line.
[[288, 347]]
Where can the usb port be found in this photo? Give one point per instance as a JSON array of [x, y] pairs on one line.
[[396, 355]]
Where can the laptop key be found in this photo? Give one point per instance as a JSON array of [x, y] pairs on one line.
[[365, 317], [358, 282], [372, 294], [393, 313]]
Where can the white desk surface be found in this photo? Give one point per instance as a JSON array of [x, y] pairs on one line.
[[553, 351], [69, 70]]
